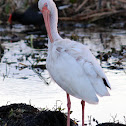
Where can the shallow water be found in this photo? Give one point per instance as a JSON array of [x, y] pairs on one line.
[[24, 85]]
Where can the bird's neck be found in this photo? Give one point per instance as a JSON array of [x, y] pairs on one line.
[[53, 25]]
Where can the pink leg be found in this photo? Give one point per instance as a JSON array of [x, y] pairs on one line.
[[83, 105], [68, 106]]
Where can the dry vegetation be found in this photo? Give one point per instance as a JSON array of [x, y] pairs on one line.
[[86, 10], [93, 10]]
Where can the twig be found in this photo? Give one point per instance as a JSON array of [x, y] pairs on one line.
[[124, 1], [39, 75], [81, 5], [90, 17]]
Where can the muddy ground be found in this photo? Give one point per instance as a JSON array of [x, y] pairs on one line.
[[27, 115]]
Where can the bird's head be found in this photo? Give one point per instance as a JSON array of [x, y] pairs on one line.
[[47, 7], [46, 4]]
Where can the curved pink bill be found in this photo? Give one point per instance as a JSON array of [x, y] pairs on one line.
[[46, 16]]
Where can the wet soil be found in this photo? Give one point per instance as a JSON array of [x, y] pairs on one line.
[[27, 115]]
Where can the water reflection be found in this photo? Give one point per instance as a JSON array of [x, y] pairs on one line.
[[102, 40]]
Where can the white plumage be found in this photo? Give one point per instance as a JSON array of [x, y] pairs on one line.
[[75, 69], [71, 64]]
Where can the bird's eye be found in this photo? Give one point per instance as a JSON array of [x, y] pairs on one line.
[[45, 4]]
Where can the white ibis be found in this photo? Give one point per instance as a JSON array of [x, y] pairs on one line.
[[71, 64]]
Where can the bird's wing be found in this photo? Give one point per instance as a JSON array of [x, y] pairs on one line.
[[72, 67], [68, 74], [90, 66]]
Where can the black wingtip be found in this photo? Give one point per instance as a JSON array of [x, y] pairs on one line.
[[106, 84]]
